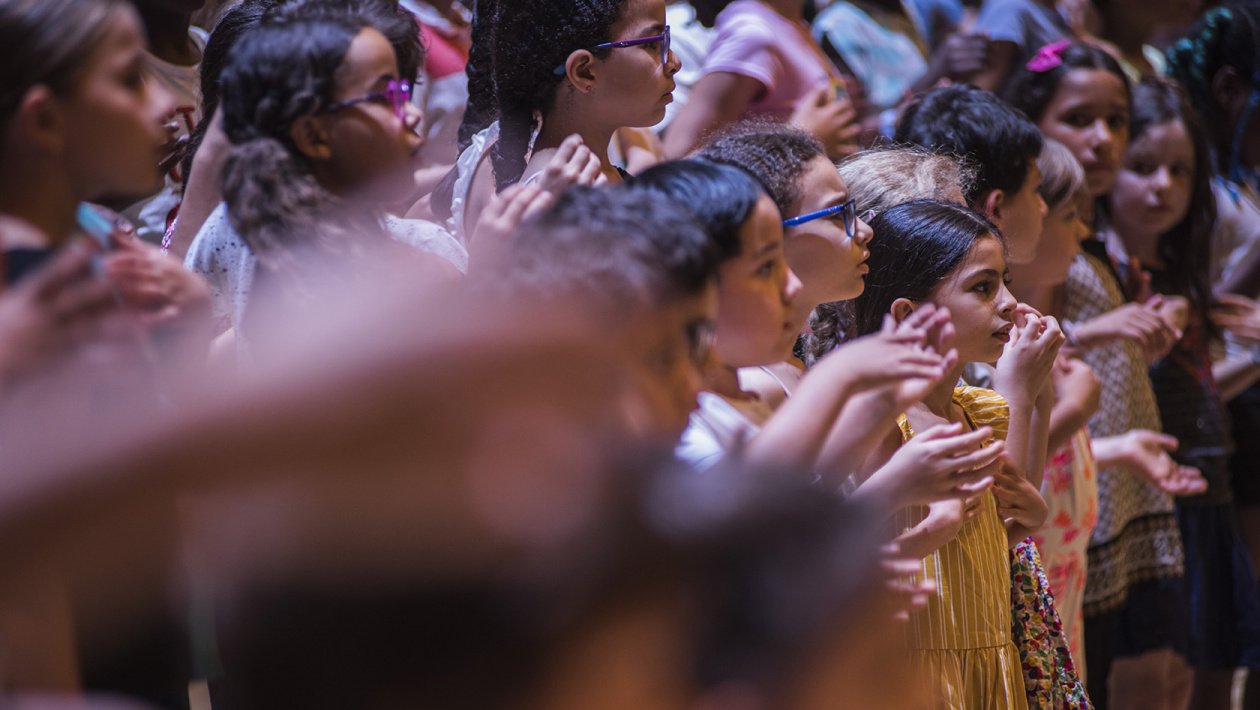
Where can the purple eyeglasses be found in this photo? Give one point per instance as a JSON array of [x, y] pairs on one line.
[[397, 94], [663, 38]]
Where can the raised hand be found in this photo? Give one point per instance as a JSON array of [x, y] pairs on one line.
[[1144, 324], [830, 119], [942, 462], [1028, 359], [1238, 315], [573, 164], [1144, 453]]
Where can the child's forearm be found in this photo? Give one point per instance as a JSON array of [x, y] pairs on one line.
[[930, 535], [855, 434], [797, 432]]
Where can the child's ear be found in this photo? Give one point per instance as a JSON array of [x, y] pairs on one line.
[[1227, 89], [310, 138], [991, 204], [581, 70], [901, 309], [41, 120]]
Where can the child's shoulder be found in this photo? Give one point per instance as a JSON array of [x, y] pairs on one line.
[[984, 407]]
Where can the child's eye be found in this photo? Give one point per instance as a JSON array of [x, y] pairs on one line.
[[1118, 121], [1142, 168], [1077, 120], [1182, 170], [766, 268], [982, 287]]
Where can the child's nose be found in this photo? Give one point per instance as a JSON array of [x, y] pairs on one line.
[[863, 234], [792, 287]]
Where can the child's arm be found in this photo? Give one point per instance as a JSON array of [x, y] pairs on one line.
[[1023, 379], [797, 432], [1076, 397], [866, 418]]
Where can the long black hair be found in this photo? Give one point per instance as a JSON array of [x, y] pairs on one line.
[[1186, 248], [919, 244], [527, 40]]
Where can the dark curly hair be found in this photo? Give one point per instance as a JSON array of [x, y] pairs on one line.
[[397, 24], [1186, 248], [977, 127], [1031, 91], [920, 244], [279, 72], [527, 40], [774, 153]]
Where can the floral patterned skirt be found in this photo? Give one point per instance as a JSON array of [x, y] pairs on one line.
[[1050, 676]]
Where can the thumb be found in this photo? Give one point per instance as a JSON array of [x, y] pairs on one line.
[[820, 95], [1167, 442]]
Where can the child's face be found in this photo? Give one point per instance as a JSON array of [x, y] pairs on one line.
[[831, 266], [979, 303], [1153, 190], [1022, 216], [635, 86], [1090, 115], [371, 150], [758, 320], [670, 354], [114, 135], [1061, 235]]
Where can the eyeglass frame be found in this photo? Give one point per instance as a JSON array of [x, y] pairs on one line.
[[663, 38], [847, 209], [401, 86]]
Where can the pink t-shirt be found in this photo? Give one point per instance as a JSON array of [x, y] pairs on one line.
[[755, 41]]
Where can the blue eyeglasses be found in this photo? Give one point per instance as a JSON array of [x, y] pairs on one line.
[[848, 211], [663, 38], [397, 94]]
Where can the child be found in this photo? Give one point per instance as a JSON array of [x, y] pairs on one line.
[[755, 326], [604, 65], [203, 177], [824, 239], [1217, 65], [1162, 214], [314, 173], [1002, 144], [944, 255], [1069, 484], [877, 180], [1134, 601]]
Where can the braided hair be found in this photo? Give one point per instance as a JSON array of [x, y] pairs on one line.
[[526, 41], [1224, 36]]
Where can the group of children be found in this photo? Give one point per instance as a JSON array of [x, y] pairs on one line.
[[978, 403]]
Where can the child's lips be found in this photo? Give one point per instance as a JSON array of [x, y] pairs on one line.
[[1003, 334]]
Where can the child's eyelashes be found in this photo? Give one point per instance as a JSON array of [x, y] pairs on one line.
[[766, 268]]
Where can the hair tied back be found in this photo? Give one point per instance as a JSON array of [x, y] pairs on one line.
[[1047, 57]]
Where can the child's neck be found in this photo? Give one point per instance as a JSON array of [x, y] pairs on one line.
[[723, 379], [558, 125], [1143, 247], [168, 37], [940, 400]]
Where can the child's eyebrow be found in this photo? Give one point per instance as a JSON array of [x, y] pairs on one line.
[[990, 273], [767, 249]]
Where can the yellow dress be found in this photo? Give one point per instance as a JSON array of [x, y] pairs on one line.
[[962, 639]]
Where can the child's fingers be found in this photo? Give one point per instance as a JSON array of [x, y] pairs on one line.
[[978, 458], [941, 431], [589, 171], [974, 487], [568, 148]]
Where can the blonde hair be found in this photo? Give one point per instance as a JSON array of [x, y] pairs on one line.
[[886, 177], [1062, 177]]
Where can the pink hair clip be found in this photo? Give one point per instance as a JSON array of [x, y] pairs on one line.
[[1047, 57]]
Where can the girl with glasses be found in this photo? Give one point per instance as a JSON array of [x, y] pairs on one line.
[[548, 90], [324, 142]]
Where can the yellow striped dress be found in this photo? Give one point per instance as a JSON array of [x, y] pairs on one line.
[[962, 639]]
